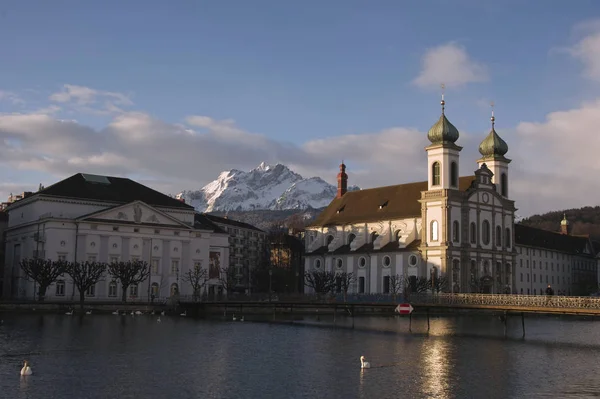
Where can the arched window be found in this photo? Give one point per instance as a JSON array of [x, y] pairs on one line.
[[473, 233], [485, 232], [154, 289], [435, 174], [374, 236], [112, 289], [454, 174], [455, 231], [503, 185], [507, 239], [174, 289], [498, 236], [434, 230], [351, 238]]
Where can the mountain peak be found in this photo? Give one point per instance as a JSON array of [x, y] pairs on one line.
[[274, 187]]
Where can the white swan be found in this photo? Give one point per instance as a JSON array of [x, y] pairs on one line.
[[242, 318], [234, 318], [162, 313], [138, 312], [69, 313], [26, 370], [88, 312], [184, 313], [158, 320], [363, 364], [115, 312]]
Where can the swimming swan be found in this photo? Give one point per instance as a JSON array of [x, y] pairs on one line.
[[184, 313], [363, 364], [26, 370]]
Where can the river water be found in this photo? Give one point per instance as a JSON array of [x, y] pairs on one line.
[[109, 356]]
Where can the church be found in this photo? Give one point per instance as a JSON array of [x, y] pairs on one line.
[[452, 226]]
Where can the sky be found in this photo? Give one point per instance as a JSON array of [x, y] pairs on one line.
[[173, 93]]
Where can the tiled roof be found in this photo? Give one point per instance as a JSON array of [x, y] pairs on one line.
[[109, 189], [534, 237], [231, 222], [381, 203], [201, 222]]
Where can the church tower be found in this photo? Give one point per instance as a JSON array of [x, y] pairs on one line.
[[442, 154], [492, 150]]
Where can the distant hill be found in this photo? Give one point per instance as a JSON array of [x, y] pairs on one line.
[[584, 220]]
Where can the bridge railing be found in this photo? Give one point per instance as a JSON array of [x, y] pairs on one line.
[[449, 299]]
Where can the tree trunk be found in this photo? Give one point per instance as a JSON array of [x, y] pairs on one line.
[[42, 292], [81, 298], [124, 293]]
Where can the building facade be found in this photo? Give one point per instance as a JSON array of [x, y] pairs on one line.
[[459, 230], [109, 219], [248, 250]]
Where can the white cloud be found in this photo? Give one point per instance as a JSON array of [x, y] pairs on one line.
[[11, 97], [553, 160], [587, 49], [451, 65], [89, 100]]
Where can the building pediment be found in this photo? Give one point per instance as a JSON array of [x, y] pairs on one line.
[[136, 212]]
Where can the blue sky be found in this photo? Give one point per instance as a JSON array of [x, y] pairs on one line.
[[293, 73]]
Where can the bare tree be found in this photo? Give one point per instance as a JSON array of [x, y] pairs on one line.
[[397, 283], [423, 285], [321, 282], [227, 279], [43, 272], [344, 281], [129, 273], [85, 275], [438, 284], [197, 277]]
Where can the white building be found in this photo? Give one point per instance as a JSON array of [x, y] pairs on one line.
[[97, 218], [458, 227]]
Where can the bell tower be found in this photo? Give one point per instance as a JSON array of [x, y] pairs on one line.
[[492, 150]]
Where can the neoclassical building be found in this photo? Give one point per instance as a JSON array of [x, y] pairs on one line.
[[98, 218], [458, 227]]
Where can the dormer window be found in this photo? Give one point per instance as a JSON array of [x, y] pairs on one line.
[[383, 205]]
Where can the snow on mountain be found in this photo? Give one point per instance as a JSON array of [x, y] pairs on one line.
[[272, 187]]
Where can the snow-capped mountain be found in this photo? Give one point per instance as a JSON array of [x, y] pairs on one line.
[[271, 187]]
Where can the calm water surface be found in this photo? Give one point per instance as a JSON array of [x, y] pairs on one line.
[[107, 356]]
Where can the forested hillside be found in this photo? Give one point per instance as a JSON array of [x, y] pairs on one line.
[[584, 220]]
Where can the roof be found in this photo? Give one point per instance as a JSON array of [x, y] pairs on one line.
[[231, 222], [201, 222], [534, 237], [109, 189], [381, 203]]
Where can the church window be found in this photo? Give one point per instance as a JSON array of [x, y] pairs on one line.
[[435, 174], [362, 262], [485, 233], [498, 236], [361, 285], [387, 261], [504, 185], [318, 264], [351, 238], [453, 174], [507, 238], [455, 231], [473, 233], [434, 230], [386, 284]]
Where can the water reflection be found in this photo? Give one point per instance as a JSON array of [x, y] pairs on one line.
[[435, 368]]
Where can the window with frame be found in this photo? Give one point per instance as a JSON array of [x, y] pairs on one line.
[[503, 185], [386, 284], [91, 258], [174, 266], [361, 285], [114, 259], [154, 289], [434, 230], [155, 266], [91, 291], [435, 174], [455, 231], [473, 232], [454, 174], [498, 236], [485, 233], [507, 238], [62, 258], [133, 290], [197, 264], [112, 289], [60, 288]]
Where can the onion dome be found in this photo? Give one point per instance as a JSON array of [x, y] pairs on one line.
[[443, 132], [564, 221], [493, 145]]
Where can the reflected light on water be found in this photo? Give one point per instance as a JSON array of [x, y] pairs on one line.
[[435, 366]]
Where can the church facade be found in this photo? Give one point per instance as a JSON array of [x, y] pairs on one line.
[[451, 228]]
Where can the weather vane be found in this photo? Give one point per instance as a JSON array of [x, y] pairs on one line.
[[493, 118]]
